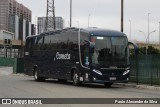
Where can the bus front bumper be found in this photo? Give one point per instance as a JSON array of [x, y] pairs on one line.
[[96, 78]]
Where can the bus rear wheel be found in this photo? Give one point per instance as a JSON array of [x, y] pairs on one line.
[[36, 77], [76, 80]]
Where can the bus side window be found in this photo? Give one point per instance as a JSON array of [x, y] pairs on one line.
[[73, 46], [27, 44], [31, 43], [73, 42], [34, 42], [54, 42], [85, 54], [38, 42], [46, 42]]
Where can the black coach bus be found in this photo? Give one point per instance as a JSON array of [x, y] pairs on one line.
[[88, 55]]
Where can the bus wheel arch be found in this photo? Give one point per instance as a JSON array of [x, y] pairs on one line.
[[75, 77], [36, 76], [72, 72], [35, 67]]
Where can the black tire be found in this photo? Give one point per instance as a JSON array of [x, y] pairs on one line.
[[36, 77], [108, 84], [76, 80]]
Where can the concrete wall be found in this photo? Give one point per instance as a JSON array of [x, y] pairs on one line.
[[6, 35]]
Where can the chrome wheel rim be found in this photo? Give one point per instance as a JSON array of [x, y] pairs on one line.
[[35, 75], [75, 78]]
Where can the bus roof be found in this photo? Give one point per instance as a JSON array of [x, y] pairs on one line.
[[91, 31], [102, 32]]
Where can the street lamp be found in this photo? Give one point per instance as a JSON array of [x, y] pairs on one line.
[[152, 32], [145, 38], [147, 43]]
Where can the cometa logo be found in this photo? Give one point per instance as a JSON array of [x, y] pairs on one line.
[[63, 56]]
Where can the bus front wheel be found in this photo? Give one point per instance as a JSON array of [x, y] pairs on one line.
[[76, 80]]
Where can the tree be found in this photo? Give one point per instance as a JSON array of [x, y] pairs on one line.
[[150, 50]]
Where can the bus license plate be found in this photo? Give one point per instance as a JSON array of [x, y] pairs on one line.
[[112, 78]]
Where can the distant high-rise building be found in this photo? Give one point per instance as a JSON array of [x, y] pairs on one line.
[[33, 29], [16, 18], [59, 24]]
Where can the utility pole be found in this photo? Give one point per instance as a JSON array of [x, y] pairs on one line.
[[50, 16], [148, 28], [122, 13], [159, 34], [70, 13]]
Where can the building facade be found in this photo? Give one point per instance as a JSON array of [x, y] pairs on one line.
[[59, 24], [16, 18]]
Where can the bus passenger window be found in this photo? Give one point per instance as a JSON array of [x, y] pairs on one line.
[[85, 54], [31, 43]]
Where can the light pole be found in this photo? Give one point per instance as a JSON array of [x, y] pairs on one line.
[[88, 20], [150, 34], [145, 38], [130, 28], [122, 13], [147, 43], [70, 13], [148, 27], [159, 35]]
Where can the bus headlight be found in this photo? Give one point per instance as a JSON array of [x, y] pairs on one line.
[[126, 72], [97, 71]]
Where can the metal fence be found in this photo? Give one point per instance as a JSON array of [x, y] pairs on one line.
[[6, 61], [145, 69]]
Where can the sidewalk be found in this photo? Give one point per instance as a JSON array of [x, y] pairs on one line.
[[141, 86], [6, 70]]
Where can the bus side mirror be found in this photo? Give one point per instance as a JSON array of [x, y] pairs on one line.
[[136, 51]]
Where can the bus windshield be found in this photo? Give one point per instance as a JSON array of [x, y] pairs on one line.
[[110, 51]]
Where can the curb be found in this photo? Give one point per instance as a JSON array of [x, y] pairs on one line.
[[148, 87], [139, 86]]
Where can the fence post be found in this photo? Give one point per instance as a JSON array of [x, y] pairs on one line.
[[18, 66], [137, 69], [151, 80]]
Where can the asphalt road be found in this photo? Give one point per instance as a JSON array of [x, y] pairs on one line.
[[22, 86]]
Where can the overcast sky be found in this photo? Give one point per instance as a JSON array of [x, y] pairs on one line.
[[105, 14]]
